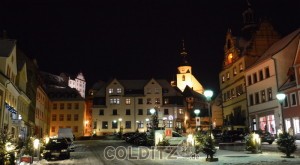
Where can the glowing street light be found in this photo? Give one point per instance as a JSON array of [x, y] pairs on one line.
[[281, 97], [208, 94]]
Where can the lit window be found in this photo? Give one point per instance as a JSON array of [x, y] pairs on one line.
[[127, 101], [241, 67], [157, 101], [228, 75], [119, 90], [223, 79], [234, 71], [110, 90], [114, 101]]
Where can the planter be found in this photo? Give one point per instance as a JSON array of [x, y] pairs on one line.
[[212, 159]]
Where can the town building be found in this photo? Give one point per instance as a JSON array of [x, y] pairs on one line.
[[240, 52], [124, 106]]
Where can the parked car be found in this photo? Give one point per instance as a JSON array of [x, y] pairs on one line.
[[266, 137], [130, 139], [70, 144], [232, 136], [56, 148], [127, 134]]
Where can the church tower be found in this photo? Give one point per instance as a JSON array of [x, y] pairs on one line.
[[185, 76]]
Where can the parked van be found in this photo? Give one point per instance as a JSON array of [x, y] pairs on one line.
[[65, 133]]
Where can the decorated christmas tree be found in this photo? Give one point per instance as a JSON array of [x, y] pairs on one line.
[[286, 144]]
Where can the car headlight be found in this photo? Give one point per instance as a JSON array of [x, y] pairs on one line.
[[45, 151], [64, 150]]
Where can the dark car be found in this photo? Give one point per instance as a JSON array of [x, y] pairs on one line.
[[127, 134], [71, 145], [232, 136], [56, 148], [266, 137], [130, 139]]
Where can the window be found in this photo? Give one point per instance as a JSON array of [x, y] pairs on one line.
[[61, 106], [148, 90], [148, 100], [223, 78], [241, 67], [166, 101], [140, 124], [75, 128], [119, 90], [69, 106], [110, 90], [127, 101], [156, 91], [95, 125], [296, 124], [128, 124], [263, 96], [76, 117], [239, 90], [169, 124], [53, 129], [228, 75], [249, 80], [251, 100], [232, 93], [261, 75], [76, 105], [183, 77], [254, 78], [53, 117], [166, 111], [180, 111], [104, 125], [256, 98], [114, 101], [267, 72], [286, 102], [101, 112], [54, 106], [270, 95], [293, 99], [234, 71], [127, 111], [140, 112], [114, 124], [68, 117], [115, 112], [140, 101], [157, 101]]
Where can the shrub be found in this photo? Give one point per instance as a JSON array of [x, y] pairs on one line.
[[286, 144]]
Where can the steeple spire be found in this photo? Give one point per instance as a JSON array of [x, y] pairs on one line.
[[184, 54]]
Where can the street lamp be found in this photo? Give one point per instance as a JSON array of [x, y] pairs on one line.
[[36, 145], [281, 97], [208, 94], [197, 112], [121, 129], [147, 120], [153, 113]]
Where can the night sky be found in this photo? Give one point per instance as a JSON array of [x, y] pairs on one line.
[[134, 39]]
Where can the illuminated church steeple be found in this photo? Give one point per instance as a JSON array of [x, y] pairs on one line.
[[184, 75]]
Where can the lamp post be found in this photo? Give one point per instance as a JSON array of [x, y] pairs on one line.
[[197, 112], [147, 120], [281, 97], [153, 111], [121, 128], [36, 145], [208, 94]]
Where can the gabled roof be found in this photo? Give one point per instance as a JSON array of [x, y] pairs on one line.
[[279, 45], [6, 47], [189, 92]]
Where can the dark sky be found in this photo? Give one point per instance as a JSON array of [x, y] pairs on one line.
[[134, 39]]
